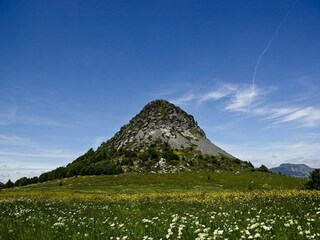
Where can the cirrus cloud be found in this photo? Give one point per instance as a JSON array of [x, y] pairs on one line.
[[254, 100]]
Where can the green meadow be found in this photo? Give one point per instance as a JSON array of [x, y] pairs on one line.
[[177, 182], [210, 205]]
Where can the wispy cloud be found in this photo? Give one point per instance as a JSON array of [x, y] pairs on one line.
[[41, 121], [24, 157], [223, 91], [303, 116], [13, 114], [185, 99], [297, 115], [16, 164], [53, 154], [18, 169], [243, 99], [308, 117], [275, 112], [14, 140], [31, 120], [240, 96], [254, 100]]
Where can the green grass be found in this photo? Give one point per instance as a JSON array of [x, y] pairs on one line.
[[290, 215], [206, 205], [178, 182]]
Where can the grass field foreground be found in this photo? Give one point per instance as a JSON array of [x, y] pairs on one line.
[[219, 205], [289, 214]]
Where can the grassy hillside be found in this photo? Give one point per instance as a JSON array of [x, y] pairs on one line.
[[164, 183]]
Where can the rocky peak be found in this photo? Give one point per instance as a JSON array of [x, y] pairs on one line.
[[162, 111], [162, 120]]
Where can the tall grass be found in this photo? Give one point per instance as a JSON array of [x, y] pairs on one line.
[[238, 215]]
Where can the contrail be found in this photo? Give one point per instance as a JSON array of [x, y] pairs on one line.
[[270, 41]]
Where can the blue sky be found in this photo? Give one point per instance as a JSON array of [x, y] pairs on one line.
[[73, 72]]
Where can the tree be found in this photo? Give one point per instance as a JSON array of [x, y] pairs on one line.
[[57, 173], [74, 169], [34, 180], [43, 177], [314, 180], [9, 184], [22, 182], [262, 168]]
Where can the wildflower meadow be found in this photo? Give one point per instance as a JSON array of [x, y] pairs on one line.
[[204, 205], [288, 214]]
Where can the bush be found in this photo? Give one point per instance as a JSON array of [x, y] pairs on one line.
[[74, 169], [153, 153], [262, 168], [22, 182], [43, 177], [314, 182], [34, 180], [127, 161], [9, 184], [170, 155]]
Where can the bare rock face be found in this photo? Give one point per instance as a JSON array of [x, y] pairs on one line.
[[161, 121]]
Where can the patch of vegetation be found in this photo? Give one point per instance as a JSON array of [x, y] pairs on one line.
[[314, 180], [262, 168], [9, 184]]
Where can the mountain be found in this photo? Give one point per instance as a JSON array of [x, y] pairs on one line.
[[161, 120], [160, 138], [293, 170]]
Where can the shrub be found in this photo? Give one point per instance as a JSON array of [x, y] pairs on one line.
[[9, 184], [22, 182], [170, 155], [43, 177], [314, 182], [262, 168]]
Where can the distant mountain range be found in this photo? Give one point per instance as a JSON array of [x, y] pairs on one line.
[[293, 170]]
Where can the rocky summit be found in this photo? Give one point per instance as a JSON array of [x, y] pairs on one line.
[[161, 121]]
